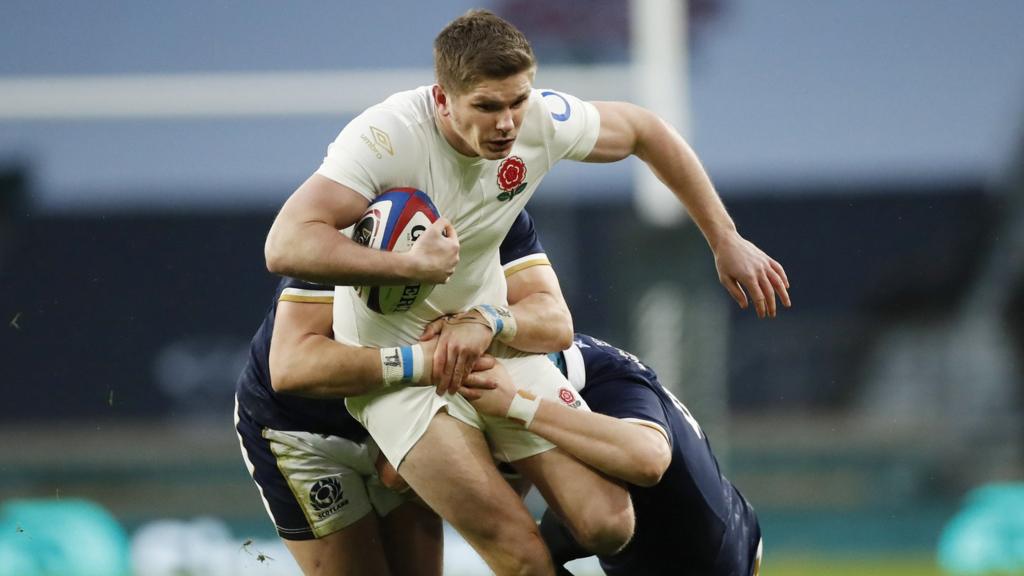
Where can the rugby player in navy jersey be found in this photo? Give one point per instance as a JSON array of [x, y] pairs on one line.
[[689, 518], [313, 463]]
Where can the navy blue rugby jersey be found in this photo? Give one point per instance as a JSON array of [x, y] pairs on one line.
[[520, 249], [694, 521]]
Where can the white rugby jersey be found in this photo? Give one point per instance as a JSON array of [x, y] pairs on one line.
[[397, 144]]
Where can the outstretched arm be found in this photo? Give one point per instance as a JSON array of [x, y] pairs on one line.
[[629, 451], [743, 269], [305, 360]]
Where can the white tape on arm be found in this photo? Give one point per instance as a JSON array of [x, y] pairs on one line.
[[501, 321], [523, 407], [402, 365]]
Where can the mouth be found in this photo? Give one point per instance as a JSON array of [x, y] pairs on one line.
[[501, 144]]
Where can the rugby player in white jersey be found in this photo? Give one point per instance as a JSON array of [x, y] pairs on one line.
[[479, 142], [312, 462]]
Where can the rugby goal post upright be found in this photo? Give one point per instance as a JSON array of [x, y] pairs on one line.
[[682, 331], [659, 61]]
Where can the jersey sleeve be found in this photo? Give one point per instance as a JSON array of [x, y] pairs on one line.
[[295, 290], [521, 247], [629, 400], [373, 152], [576, 124]]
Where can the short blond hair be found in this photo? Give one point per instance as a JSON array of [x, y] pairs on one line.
[[477, 46]]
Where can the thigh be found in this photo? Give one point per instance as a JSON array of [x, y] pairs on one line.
[[451, 469], [352, 551], [396, 418], [413, 538], [573, 490]]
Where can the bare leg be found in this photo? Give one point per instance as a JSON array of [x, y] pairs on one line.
[[450, 467], [596, 509], [413, 540], [354, 550]]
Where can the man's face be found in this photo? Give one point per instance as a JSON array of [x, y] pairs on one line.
[[485, 120]]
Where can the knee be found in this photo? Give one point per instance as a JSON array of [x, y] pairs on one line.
[[607, 533], [522, 554]]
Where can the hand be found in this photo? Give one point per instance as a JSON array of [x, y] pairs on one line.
[[743, 266], [475, 385], [435, 253], [496, 400], [389, 477], [460, 344]]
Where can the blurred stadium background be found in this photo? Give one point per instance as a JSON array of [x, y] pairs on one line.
[[875, 148]]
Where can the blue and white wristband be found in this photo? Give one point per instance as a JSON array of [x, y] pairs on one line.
[[401, 365], [500, 319]]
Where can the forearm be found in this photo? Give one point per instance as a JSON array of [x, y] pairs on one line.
[[677, 166], [544, 324], [317, 252], [616, 447], [319, 367]]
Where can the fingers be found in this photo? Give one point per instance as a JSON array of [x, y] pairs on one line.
[[447, 229], [485, 362], [780, 271], [757, 295], [440, 225], [470, 394], [458, 372], [769, 294], [736, 291], [479, 381], [432, 330], [780, 281], [781, 286]]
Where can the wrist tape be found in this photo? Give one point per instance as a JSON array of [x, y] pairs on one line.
[[523, 407], [402, 365], [500, 319]]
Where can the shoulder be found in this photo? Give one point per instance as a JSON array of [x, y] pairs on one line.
[[569, 124], [386, 128], [383, 146]]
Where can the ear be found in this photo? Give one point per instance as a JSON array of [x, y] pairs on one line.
[[441, 100]]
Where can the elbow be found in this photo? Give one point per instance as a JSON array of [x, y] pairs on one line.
[[562, 339], [651, 464], [282, 379], [274, 257]]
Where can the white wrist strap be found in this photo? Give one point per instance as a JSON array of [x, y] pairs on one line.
[[500, 319], [402, 365], [523, 408]]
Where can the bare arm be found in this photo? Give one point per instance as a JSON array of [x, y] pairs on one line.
[[542, 316], [627, 130], [305, 359], [629, 451], [304, 242]]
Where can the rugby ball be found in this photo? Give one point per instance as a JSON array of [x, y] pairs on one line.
[[393, 221]]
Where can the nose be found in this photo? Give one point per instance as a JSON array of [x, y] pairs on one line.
[[505, 123]]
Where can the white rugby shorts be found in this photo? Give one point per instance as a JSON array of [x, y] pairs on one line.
[[398, 416]]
